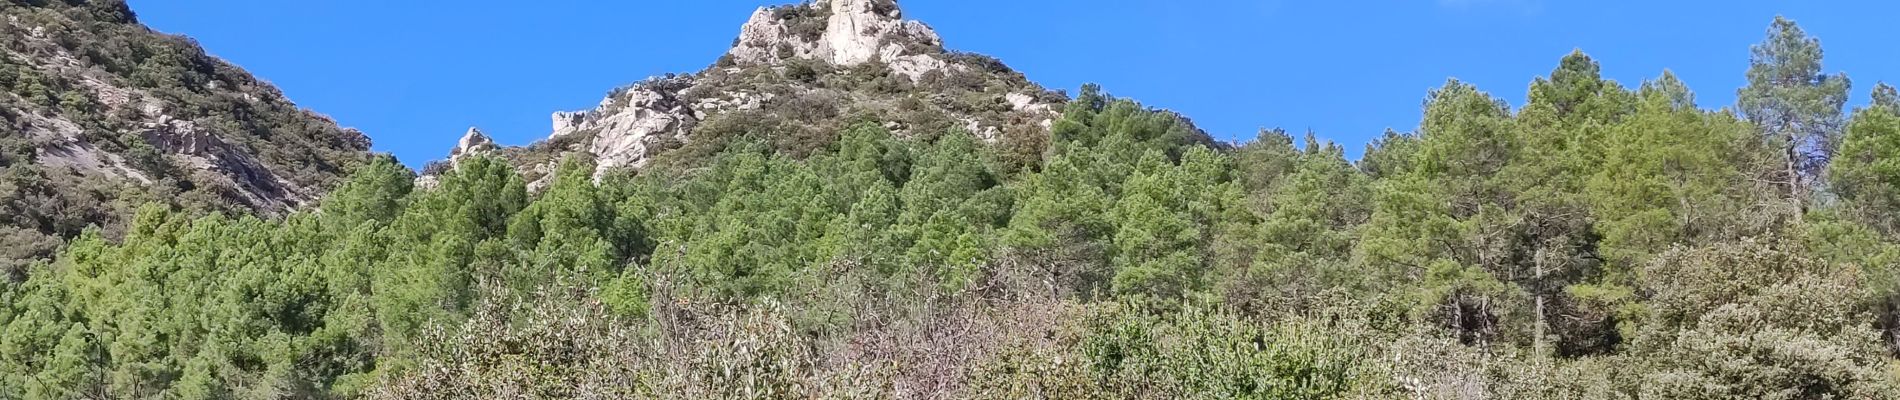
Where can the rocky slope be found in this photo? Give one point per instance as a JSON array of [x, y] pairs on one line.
[[99, 114], [794, 76]]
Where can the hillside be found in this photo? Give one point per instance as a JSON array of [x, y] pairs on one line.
[[99, 114], [821, 214]]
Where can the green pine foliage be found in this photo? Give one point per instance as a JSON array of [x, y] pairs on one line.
[[1597, 242]]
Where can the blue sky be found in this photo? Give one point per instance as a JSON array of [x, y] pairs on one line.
[[415, 74]]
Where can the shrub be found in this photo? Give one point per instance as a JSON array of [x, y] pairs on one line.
[[806, 21], [1120, 352], [805, 71], [1753, 320]]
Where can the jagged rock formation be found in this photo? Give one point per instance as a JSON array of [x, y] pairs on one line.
[[855, 32], [624, 127], [196, 149], [803, 71], [99, 114], [473, 142]]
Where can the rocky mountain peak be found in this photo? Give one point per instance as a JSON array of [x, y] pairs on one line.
[[840, 32], [473, 142], [799, 71]]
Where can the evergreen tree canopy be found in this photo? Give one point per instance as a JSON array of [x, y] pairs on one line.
[[1595, 242]]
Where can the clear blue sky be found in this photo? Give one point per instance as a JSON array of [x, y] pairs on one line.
[[415, 74]]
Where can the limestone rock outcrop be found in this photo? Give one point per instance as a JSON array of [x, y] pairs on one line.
[[852, 32], [236, 166], [473, 142], [628, 122], [814, 65]]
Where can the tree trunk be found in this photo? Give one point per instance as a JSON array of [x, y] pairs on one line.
[[1537, 287], [1797, 182]]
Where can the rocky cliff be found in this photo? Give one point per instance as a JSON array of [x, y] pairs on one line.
[[795, 75], [99, 114]]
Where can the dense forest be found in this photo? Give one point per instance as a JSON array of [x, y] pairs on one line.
[[1596, 242]]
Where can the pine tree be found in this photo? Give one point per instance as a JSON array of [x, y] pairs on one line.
[[1864, 174], [1309, 230], [1796, 106], [1060, 228], [373, 193]]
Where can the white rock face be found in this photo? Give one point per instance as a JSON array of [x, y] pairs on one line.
[[1044, 112], [1025, 103], [633, 123], [568, 122], [472, 139], [185, 141], [848, 38], [915, 66], [856, 32], [472, 143], [64, 149], [629, 122], [988, 134], [734, 101], [762, 37]]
